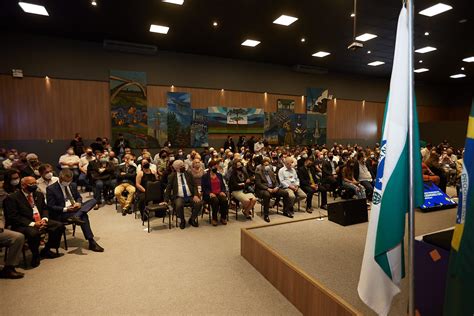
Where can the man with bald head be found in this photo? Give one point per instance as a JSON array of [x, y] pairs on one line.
[[26, 211], [181, 190]]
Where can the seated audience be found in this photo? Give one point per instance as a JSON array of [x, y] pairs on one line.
[[27, 213], [267, 187], [101, 174], [97, 145], [214, 193], [65, 204], [70, 161], [229, 144], [363, 175], [241, 188], [77, 144], [31, 168], [120, 144], [46, 178], [433, 164], [197, 170], [15, 242], [310, 183], [289, 181], [329, 172], [145, 175], [125, 182], [86, 158], [11, 181], [11, 158], [180, 191], [349, 182]]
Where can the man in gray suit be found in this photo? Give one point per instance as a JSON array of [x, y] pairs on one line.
[[14, 241], [267, 186], [181, 190]]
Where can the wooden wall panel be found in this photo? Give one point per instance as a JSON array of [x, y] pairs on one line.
[[40, 108], [37, 108]]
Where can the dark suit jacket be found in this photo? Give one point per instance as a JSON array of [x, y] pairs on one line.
[[55, 198], [94, 174], [261, 181], [327, 168], [303, 175], [130, 175], [206, 184], [28, 172], [18, 212], [172, 186]]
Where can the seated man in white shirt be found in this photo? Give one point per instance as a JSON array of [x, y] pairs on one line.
[[46, 178], [289, 180], [70, 161]]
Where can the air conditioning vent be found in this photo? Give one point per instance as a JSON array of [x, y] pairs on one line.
[[126, 47], [310, 69]]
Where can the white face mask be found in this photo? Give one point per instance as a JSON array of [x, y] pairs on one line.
[[11, 157], [70, 152], [36, 172], [48, 176], [66, 184], [15, 182]]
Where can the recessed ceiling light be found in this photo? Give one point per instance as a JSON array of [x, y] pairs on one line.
[[420, 61], [215, 23], [365, 37], [462, 68], [376, 63], [463, 21], [353, 15], [303, 39], [436, 9], [33, 8], [421, 70], [469, 59], [456, 76], [285, 20], [159, 29], [178, 2], [94, 3], [427, 33], [369, 52], [426, 49], [321, 54], [250, 43]]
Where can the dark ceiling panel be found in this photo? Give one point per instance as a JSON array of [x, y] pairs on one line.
[[326, 25]]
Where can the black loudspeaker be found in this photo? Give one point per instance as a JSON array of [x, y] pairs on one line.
[[348, 212]]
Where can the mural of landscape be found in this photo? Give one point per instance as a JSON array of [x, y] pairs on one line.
[[180, 116], [232, 120]]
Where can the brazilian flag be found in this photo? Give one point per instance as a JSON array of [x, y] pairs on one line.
[[460, 281]]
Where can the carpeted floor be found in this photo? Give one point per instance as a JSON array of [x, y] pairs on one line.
[[195, 271], [332, 254]]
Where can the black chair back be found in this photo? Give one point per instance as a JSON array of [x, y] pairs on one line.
[[153, 192]]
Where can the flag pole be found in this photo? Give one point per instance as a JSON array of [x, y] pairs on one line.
[[411, 87]]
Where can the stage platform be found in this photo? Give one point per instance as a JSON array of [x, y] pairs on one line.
[[316, 264]]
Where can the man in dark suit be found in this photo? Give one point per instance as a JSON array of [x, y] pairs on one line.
[[26, 212], [266, 187], [330, 172], [181, 189], [229, 144], [101, 173], [310, 183], [66, 205]]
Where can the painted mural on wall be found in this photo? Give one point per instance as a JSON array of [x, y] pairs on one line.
[[128, 102], [180, 116], [158, 125], [232, 120], [199, 129], [316, 108]]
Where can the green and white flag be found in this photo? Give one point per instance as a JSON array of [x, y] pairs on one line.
[[383, 263]]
